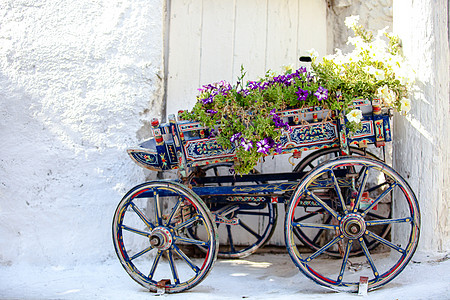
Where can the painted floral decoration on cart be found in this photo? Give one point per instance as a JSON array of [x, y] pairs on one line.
[[244, 115]]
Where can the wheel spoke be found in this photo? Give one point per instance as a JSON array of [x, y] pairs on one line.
[[388, 221], [344, 260], [316, 238], [216, 174], [374, 215], [173, 267], [185, 258], [186, 223], [338, 191], [155, 264], [191, 241], [386, 242], [230, 239], [381, 197], [312, 214], [315, 225], [142, 216], [227, 210], [323, 204], [368, 256], [141, 253], [324, 248], [243, 225], [173, 212], [365, 176], [157, 209], [376, 187], [137, 231]]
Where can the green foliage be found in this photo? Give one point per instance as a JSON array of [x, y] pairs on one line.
[[246, 112]]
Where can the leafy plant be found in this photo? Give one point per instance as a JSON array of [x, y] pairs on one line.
[[244, 115]]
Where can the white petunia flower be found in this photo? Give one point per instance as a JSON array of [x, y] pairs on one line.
[[405, 105], [354, 115], [351, 21], [382, 91], [382, 32], [379, 74], [313, 53], [386, 95]]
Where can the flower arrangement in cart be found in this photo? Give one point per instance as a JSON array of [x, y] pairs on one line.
[[247, 111]]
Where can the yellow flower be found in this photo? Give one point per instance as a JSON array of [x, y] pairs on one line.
[[288, 68], [354, 115]]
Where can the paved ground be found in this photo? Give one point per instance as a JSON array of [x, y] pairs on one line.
[[260, 276]]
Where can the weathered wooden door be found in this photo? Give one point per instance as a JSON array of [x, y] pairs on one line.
[[209, 40]]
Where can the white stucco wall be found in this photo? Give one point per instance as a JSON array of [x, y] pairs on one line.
[[78, 80], [422, 140], [374, 15], [79, 83]]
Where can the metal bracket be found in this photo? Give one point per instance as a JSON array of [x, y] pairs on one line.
[[161, 286]]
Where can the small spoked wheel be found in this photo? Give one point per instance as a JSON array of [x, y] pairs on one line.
[[253, 222], [242, 227], [150, 236], [359, 185], [314, 237]]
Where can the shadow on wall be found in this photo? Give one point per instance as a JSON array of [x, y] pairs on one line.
[[57, 195], [421, 148]]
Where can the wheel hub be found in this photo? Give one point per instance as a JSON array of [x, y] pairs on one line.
[[353, 226], [161, 238]]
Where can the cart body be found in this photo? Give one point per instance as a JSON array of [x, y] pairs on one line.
[[334, 207]]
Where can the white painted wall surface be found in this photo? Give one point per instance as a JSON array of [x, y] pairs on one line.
[[79, 83], [78, 79], [422, 140]]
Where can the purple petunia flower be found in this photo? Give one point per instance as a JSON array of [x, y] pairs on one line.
[[244, 92], [246, 144], [208, 100], [277, 120], [287, 128], [212, 133], [253, 85], [211, 111], [278, 148], [270, 142], [321, 93], [235, 137], [263, 146], [302, 94]]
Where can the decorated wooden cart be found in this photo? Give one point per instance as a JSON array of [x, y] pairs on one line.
[[343, 204]]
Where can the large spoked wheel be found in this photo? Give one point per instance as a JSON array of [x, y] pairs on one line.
[[313, 237], [352, 179], [252, 222], [150, 236]]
